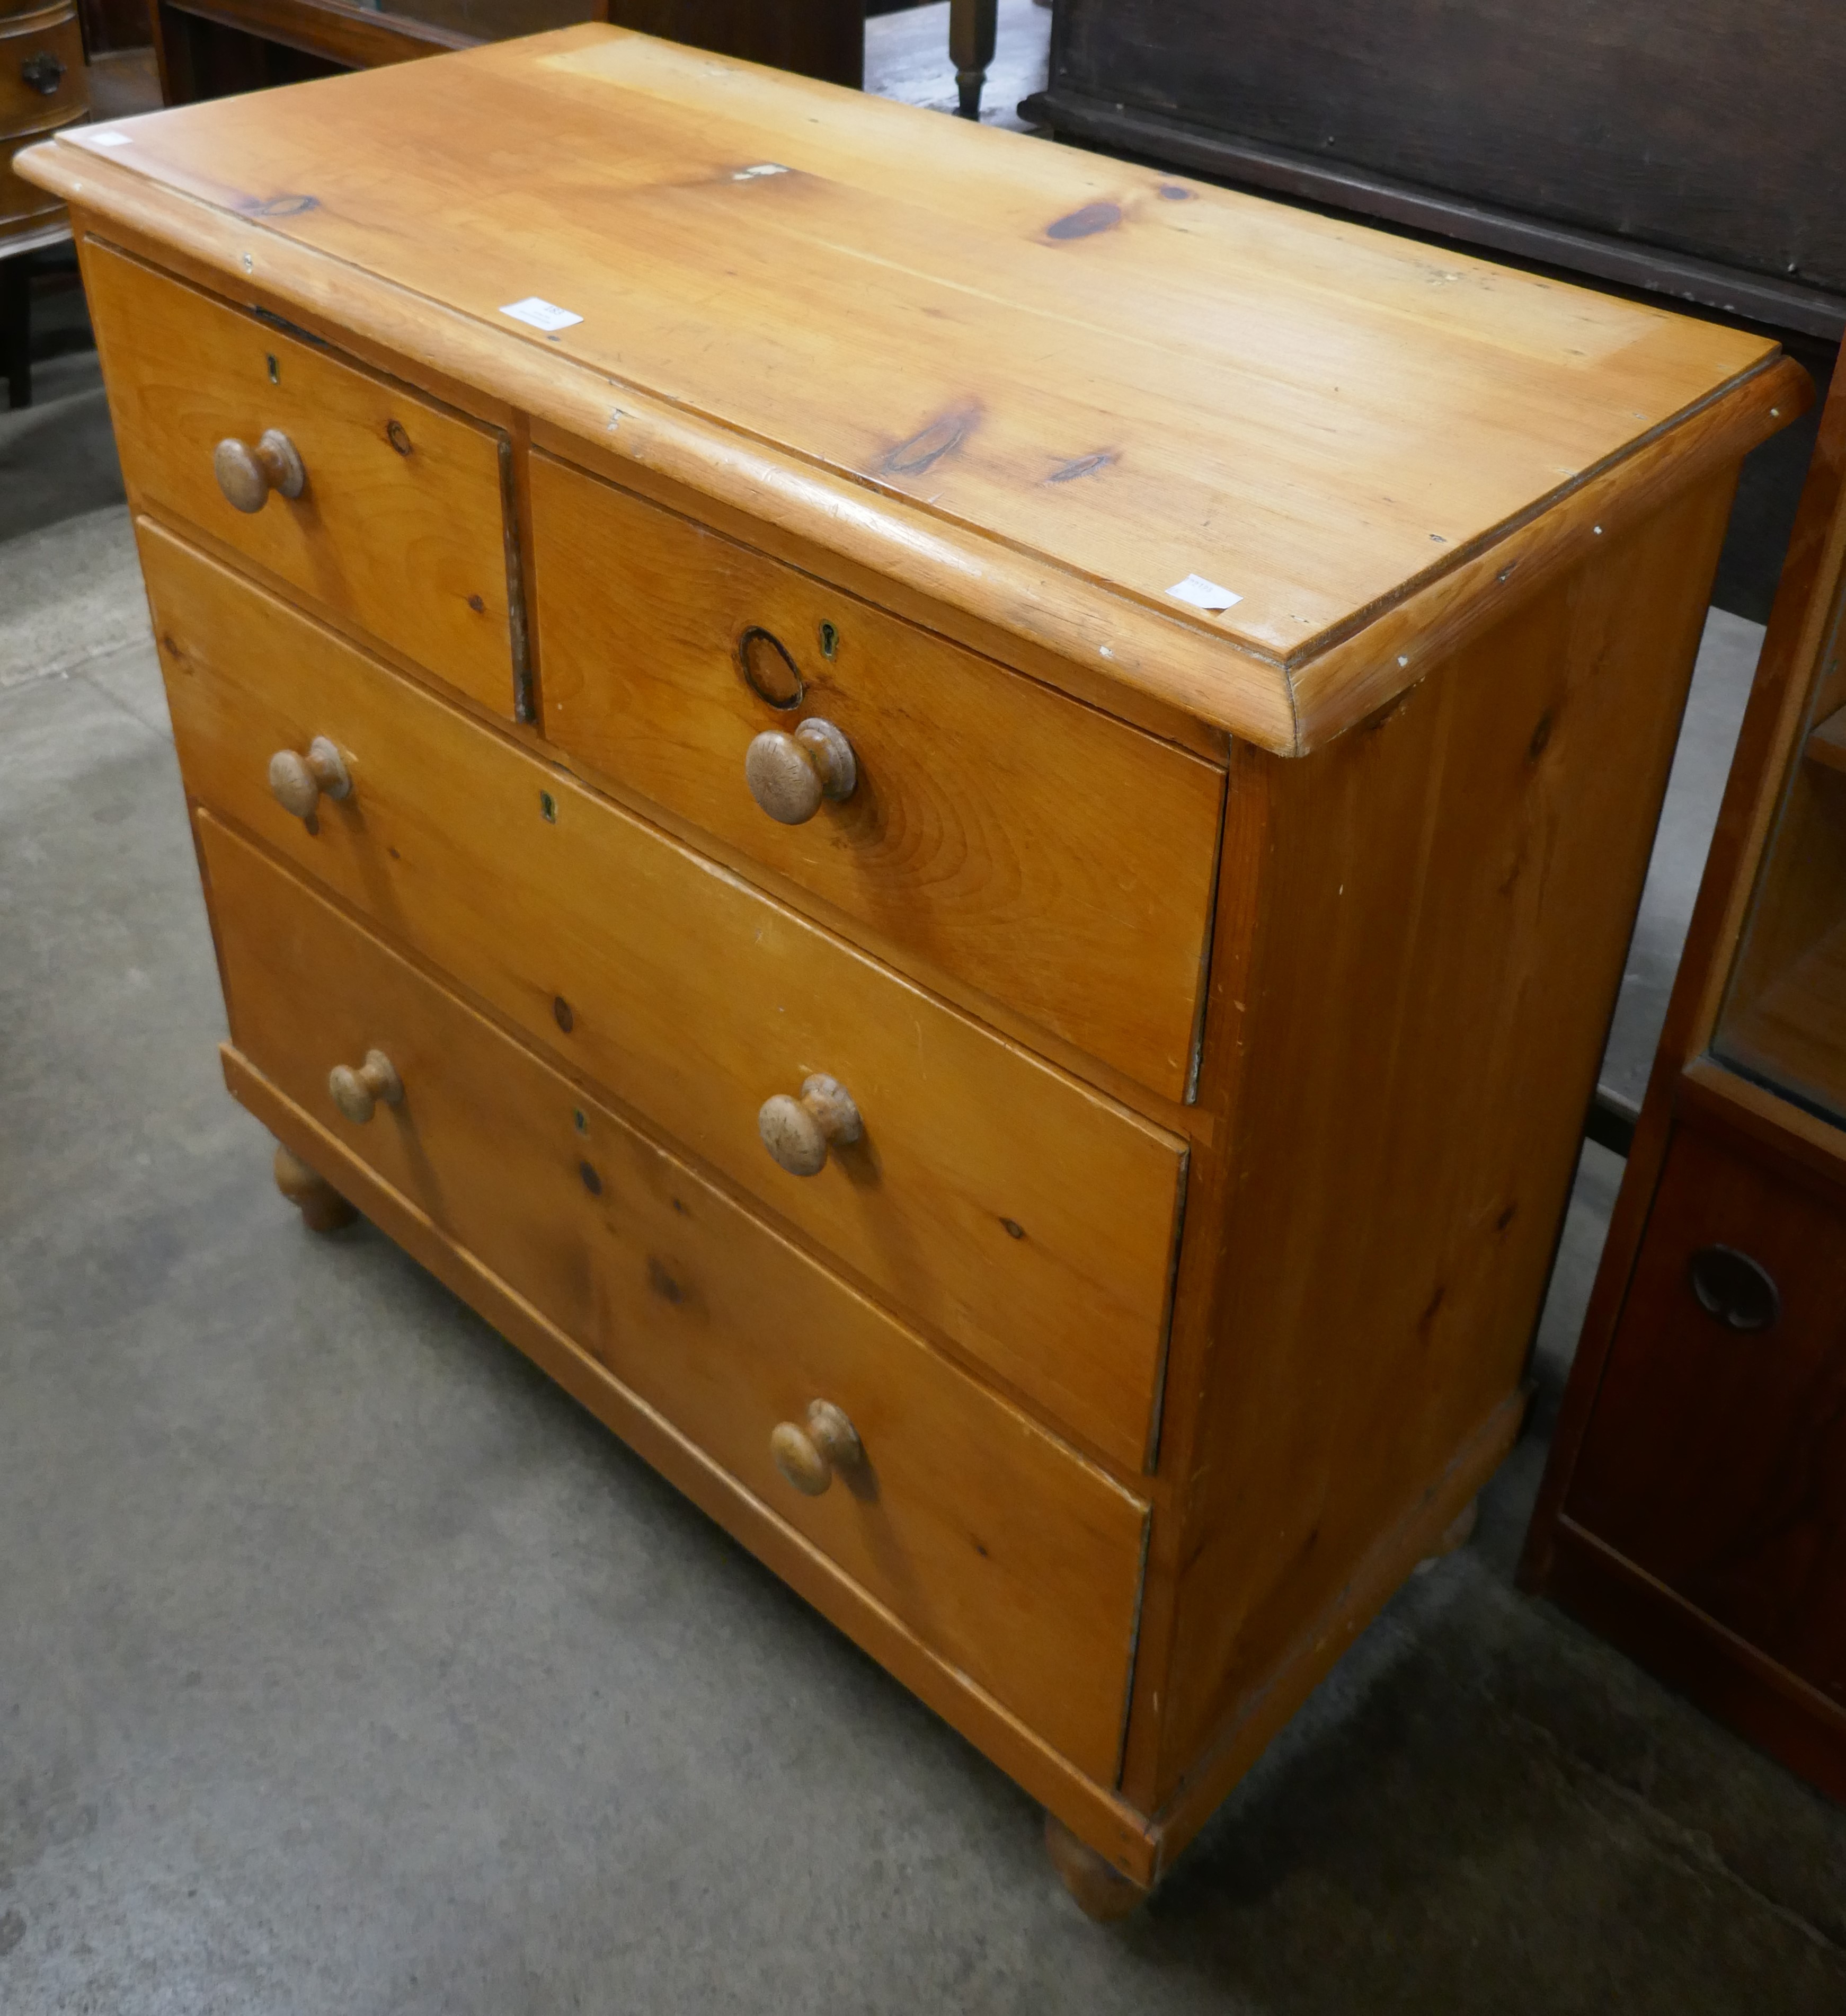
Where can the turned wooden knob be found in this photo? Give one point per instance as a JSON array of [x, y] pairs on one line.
[[808, 1456], [247, 475], [357, 1092], [799, 1131], [297, 781], [789, 775]]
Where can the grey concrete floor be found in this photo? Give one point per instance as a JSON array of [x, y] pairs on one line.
[[346, 1666]]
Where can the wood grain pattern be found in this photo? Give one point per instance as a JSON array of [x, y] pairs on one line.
[[1015, 1560], [1306, 403], [1028, 1218], [1039, 850], [1045, 1774], [403, 532], [1442, 941]]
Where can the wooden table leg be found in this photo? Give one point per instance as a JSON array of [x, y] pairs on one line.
[[16, 327], [972, 25]]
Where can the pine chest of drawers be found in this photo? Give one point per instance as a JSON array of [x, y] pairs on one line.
[[954, 822]]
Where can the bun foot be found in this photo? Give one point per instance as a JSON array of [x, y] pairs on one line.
[[1456, 1534], [1101, 1890], [323, 1209]]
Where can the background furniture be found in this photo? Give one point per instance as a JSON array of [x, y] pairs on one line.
[[999, 967], [210, 48], [1694, 1510], [42, 87], [1691, 149]]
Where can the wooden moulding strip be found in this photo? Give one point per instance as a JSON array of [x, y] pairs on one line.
[[1287, 707], [1397, 647], [1113, 1829], [1710, 1092], [1693, 1652], [1826, 741], [1256, 1719]]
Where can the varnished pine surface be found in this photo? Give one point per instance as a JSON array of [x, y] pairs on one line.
[[1020, 342], [1029, 1219], [1013, 1557]]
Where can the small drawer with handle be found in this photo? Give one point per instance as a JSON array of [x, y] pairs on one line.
[[1014, 1558], [1026, 1217], [43, 79], [382, 504], [1060, 861]]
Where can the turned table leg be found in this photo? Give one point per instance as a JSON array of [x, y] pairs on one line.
[[972, 26], [1101, 1890], [323, 1209]]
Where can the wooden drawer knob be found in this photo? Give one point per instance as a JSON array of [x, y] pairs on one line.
[[807, 1456], [799, 1131], [298, 781], [357, 1092], [247, 475], [789, 775]]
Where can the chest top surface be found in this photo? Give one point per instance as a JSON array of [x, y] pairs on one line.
[[1116, 377]]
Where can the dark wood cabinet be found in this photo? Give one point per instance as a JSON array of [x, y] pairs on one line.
[[1694, 1509], [1688, 145], [1715, 1461]]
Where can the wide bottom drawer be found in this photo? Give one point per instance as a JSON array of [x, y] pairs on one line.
[[1007, 1552]]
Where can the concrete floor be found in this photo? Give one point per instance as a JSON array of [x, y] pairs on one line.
[[346, 1666]]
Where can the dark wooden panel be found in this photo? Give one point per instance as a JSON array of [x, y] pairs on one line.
[[1716, 1459], [824, 38], [1706, 129]]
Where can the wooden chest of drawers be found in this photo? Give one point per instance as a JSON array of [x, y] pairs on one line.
[[955, 823]]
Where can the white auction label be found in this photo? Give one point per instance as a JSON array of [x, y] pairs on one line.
[[540, 315], [1203, 594]]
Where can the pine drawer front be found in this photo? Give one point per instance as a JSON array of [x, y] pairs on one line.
[[1028, 1218], [1017, 1560], [399, 525], [1059, 861]]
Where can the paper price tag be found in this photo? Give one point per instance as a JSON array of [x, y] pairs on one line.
[[546, 315], [1203, 594]]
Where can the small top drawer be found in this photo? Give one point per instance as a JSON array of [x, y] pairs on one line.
[[381, 504], [1057, 860], [43, 81]]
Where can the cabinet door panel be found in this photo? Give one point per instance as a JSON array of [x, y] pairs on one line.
[[1717, 1457]]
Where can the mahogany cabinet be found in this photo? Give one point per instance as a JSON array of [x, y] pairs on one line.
[[1694, 1510]]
